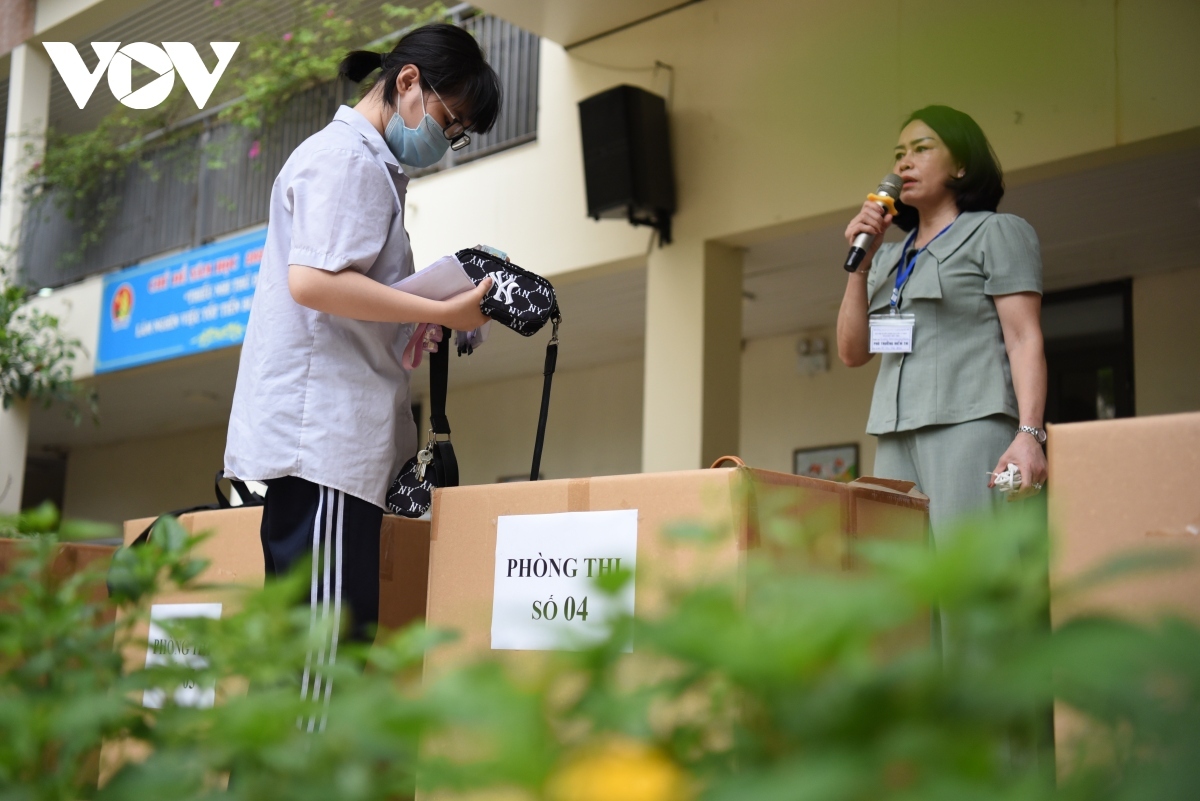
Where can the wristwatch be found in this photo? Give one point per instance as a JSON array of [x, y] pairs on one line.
[[1037, 433]]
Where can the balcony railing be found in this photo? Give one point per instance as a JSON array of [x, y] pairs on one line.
[[216, 181]]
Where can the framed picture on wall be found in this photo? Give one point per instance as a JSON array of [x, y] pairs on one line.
[[833, 462]]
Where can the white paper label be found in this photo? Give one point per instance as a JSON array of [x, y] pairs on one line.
[[546, 597], [164, 648], [892, 333]]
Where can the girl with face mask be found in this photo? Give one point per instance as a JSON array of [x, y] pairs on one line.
[[321, 411]]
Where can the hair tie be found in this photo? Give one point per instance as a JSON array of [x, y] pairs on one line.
[[382, 58]]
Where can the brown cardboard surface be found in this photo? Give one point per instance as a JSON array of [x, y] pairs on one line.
[[235, 561], [71, 558], [234, 550], [403, 571], [1120, 486], [462, 551], [1116, 487], [740, 500]]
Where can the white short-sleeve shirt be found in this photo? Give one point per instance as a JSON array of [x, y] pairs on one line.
[[322, 397]]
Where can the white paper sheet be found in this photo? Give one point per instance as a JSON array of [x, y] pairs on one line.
[[441, 280], [544, 598], [163, 649]]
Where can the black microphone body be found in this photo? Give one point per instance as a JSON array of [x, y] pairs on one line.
[[886, 195]]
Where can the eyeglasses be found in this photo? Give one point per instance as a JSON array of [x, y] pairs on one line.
[[456, 132]]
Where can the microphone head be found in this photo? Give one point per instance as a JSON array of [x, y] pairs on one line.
[[890, 185]]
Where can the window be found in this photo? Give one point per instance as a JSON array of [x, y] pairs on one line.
[[1089, 353]]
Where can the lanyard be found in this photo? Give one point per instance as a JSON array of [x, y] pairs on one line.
[[903, 275]]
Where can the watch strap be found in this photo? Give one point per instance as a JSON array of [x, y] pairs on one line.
[[1038, 434]]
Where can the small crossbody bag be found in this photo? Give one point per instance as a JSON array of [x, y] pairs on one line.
[[520, 300]]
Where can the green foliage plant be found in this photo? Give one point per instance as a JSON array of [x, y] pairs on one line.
[[35, 356], [83, 172], [818, 684], [278, 67], [787, 682], [60, 677]]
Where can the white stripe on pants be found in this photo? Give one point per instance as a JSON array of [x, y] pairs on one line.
[[327, 576]]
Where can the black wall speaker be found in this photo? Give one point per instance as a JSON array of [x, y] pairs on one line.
[[627, 158]]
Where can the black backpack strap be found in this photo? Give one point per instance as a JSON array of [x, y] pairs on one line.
[[248, 498], [145, 535], [247, 495], [445, 463], [548, 372]]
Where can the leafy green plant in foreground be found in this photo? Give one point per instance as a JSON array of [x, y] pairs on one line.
[[35, 356], [793, 682]]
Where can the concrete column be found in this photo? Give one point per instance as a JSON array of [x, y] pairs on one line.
[[25, 133], [14, 440], [690, 411], [24, 142]]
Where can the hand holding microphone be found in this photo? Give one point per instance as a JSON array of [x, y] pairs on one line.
[[866, 230]]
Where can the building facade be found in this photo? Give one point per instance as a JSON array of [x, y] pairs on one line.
[[782, 115]]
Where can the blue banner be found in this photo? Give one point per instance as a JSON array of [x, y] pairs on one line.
[[191, 302]]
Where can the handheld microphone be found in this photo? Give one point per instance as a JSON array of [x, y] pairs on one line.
[[886, 196]]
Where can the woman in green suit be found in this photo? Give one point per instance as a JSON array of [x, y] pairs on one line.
[[955, 312]]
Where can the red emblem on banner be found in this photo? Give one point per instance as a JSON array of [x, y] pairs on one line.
[[122, 307]]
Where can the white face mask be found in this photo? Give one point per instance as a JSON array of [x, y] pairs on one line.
[[422, 146]]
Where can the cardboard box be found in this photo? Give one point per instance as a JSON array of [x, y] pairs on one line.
[[403, 571], [1126, 485], [72, 558], [235, 556], [1116, 487], [464, 573], [234, 551]]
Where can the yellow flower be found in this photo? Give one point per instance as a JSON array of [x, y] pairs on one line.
[[621, 770]]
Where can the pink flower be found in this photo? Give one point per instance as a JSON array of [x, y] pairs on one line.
[[216, 3], [254, 150], [329, 13], [287, 37]]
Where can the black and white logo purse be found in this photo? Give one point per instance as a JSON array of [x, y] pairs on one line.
[[520, 300]]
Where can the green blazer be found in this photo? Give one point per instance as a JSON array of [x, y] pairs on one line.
[[958, 370]]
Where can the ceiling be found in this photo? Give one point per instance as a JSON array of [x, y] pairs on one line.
[[1111, 221]]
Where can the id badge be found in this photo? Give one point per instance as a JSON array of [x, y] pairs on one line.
[[892, 333]]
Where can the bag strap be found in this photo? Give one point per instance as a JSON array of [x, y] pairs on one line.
[[736, 461], [445, 462], [548, 372], [249, 498], [439, 375]]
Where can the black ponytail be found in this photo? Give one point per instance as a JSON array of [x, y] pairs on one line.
[[450, 61], [358, 65]]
